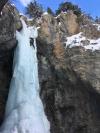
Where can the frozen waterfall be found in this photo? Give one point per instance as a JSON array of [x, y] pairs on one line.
[[24, 109]]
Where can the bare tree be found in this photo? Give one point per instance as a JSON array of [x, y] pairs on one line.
[[2, 3]]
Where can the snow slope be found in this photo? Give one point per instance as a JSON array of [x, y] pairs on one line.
[[24, 109]]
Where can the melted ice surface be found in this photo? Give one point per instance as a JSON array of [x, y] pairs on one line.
[[24, 109]]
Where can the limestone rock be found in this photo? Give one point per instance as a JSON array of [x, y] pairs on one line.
[[71, 102], [69, 23], [48, 28], [86, 64]]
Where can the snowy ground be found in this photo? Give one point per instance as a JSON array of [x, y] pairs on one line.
[[24, 110], [79, 39]]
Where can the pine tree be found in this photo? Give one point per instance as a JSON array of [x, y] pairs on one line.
[[49, 10], [69, 6], [34, 10]]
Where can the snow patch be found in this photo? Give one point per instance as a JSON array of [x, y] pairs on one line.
[[45, 13], [97, 26], [78, 39], [13, 5]]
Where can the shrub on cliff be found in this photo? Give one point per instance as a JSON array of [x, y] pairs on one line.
[[49, 10], [65, 6]]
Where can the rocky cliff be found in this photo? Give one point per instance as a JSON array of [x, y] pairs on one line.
[[68, 70], [69, 79]]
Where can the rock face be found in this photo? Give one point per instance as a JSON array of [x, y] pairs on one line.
[[48, 28], [70, 84], [64, 24], [69, 23], [2, 3], [7, 45], [86, 64], [16, 16], [71, 104], [90, 31]]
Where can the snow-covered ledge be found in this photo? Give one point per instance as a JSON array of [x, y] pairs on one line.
[[24, 109]]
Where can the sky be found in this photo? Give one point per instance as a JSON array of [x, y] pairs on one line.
[[91, 7]]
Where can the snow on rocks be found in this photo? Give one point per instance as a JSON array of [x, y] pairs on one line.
[[97, 26], [80, 40], [45, 13]]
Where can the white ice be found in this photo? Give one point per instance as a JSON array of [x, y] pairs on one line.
[[24, 109]]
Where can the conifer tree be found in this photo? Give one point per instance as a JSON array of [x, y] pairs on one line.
[[66, 6], [49, 10], [34, 9]]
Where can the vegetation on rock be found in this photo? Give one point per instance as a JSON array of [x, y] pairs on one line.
[[66, 6], [49, 10]]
